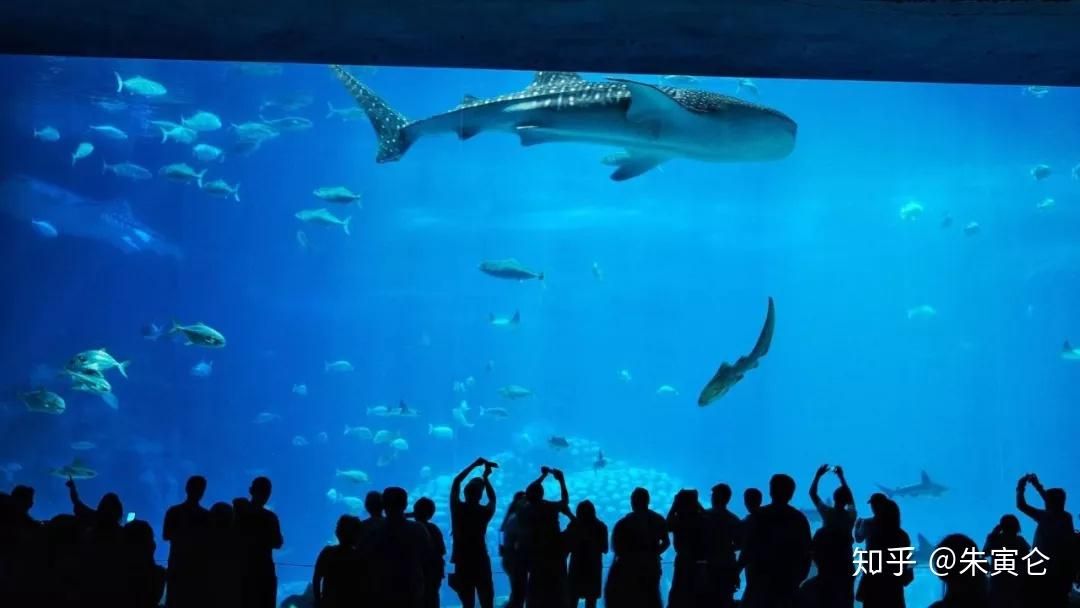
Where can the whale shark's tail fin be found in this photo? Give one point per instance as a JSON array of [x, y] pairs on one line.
[[389, 124]]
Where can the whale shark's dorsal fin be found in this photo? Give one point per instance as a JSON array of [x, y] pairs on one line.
[[551, 79], [925, 479], [1067, 348]]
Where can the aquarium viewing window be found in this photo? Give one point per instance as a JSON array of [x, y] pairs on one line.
[[346, 278]]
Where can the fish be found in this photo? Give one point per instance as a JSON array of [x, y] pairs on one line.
[[43, 401], [265, 417], [83, 150], [925, 487], [287, 103], [152, 331], [600, 461], [9, 469], [289, 124], [399, 444], [183, 173], [923, 551], [300, 441], [110, 105], [44, 228], [1045, 204], [97, 360], [179, 134], [92, 382], [509, 269], [382, 437], [199, 334], [348, 114], [137, 85], [425, 472], [911, 211], [337, 367], [745, 85], [666, 390], [558, 443], [76, 470], [729, 375], [302, 239], [597, 272], [74, 215], [323, 217], [514, 392], [1076, 172], [946, 221], [202, 369], [494, 412], [47, 134], [378, 410], [322, 437], [362, 433], [386, 460], [337, 194], [972, 228], [403, 410], [353, 475], [1036, 91], [128, 170], [1040, 172], [652, 123], [505, 321], [220, 189], [459, 415], [922, 311], [1069, 353], [83, 446], [207, 153], [109, 131], [624, 375], [300, 390], [440, 432], [254, 133], [202, 121]]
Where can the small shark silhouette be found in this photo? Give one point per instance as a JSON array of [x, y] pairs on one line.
[[652, 123], [729, 375], [925, 487], [923, 551]]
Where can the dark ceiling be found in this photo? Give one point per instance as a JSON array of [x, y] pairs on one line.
[[1019, 42]]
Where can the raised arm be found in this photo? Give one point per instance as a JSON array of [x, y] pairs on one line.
[[455, 487], [1035, 483], [80, 508], [843, 484], [1021, 500], [821, 506], [488, 488], [564, 494]]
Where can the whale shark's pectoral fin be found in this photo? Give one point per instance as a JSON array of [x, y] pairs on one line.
[[532, 135], [634, 164]]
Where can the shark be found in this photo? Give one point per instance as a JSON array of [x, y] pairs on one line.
[[730, 374], [1069, 353], [71, 214], [925, 487], [651, 123]]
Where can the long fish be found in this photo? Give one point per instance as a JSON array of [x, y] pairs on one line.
[[651, 123], [729, 375]]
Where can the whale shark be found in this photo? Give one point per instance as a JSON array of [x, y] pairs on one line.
[[651, 123], [71, 214]]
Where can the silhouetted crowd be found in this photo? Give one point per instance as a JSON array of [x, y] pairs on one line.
[[223, 556]]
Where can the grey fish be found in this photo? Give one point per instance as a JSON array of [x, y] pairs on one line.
[[652, 123], [128, 170], [289, 123], [509, 269], [76, 470], [199, 334], [925, 487], [729, 375]]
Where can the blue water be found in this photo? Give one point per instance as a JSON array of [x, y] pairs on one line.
[[976, 395]]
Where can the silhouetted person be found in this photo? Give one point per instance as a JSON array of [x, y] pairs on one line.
[[399, 551], [23, 550], [546, 587], [834, 585], [883, 533], [965, 587], [512, 550], [1007, 590], [1053, 538], [373, 504], [689, 533], [777, 549], [723, 539], [101, 576], [638, 540], [586, 540], [225, 571], [144, 580], [259, 534], [752, 499], [21, 502], [335, 582], [469, 521], [185, 530], [435, 568]]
